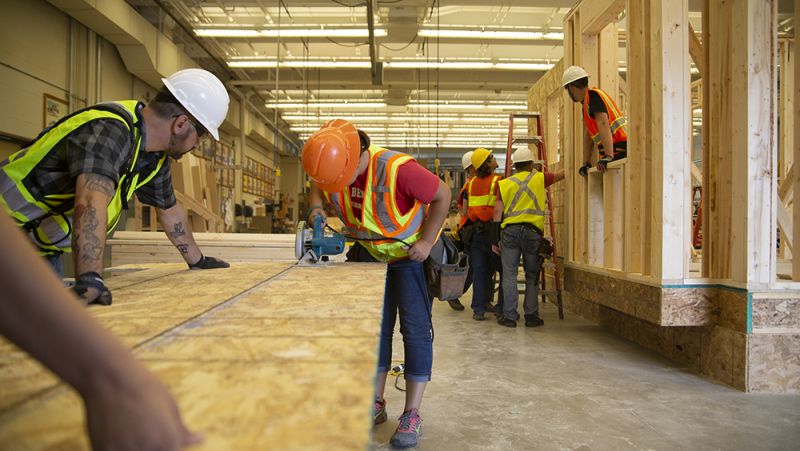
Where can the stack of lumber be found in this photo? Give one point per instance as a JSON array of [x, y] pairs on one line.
[[259, 356], [128, 247]]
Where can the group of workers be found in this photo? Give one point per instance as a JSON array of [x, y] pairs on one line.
[[66, 190]]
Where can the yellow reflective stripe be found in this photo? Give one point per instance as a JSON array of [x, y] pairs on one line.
[[618, 123]]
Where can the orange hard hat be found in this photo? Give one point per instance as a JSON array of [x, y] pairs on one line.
[[330, 155]]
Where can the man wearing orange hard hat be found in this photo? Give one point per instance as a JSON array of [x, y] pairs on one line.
[[394, 208]]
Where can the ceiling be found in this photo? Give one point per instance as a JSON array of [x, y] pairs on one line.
[[436, 78], [407, 87]]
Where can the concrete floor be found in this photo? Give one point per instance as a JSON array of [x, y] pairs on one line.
[[571, 385]]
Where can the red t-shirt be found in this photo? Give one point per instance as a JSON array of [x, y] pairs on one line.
[[413, 183]]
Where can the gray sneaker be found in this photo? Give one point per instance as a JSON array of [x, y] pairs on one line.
[[379, 412], [408, 431]]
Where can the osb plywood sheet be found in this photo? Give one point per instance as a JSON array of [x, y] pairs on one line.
[[774, 363], [687, 307], [634, 299], [277, 326], [127, 275], [187, 293], [202, 348], [251, 407], [21, 378], [731, 308], [251, 367], [776, 313]]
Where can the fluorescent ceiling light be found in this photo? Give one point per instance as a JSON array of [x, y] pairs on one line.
[[334, 31], [399, 118], [300, 63], [439, 65], [491, 34], [394, 130], [469, 106], [283, 105]]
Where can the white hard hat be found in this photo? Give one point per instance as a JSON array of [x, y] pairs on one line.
[[203, 96], [573, 73], [466, 160], [522, 155]]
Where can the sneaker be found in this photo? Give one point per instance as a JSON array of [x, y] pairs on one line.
[[478, 316], [506, 322], [533, 321], [408, 431], [379, 411], [456, 304]]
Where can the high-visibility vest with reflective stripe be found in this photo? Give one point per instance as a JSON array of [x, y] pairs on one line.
[[523, 199], [382, 229], [616, 119], [47, 218], [482, 193]]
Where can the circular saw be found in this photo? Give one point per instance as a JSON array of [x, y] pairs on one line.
[[312, 245]]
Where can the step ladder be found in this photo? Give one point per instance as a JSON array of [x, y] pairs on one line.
[[542, 155]]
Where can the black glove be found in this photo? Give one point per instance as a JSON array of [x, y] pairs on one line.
[[494, 233], [209, 263], [603, 162], [92, 280], [584, 170], [545, 248]]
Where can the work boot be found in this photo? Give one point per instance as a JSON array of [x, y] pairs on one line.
[[455, 304], [533, 321], [503, 321], [408, 431], [379, 411], [478, 316]]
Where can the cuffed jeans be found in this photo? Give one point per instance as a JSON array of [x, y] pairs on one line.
[[407, 294], [518, 239]]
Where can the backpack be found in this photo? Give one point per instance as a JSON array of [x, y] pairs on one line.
[[446, 270]]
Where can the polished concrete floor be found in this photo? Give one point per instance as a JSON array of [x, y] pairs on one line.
[[571, 385]]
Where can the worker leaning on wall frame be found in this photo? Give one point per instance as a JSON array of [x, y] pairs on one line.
[[604, 123], [67, 189], [394, 208]]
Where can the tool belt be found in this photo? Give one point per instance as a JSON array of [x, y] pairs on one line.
[[446, 270], [527, 225]]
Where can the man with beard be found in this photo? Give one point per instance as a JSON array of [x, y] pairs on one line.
[[68, 187]]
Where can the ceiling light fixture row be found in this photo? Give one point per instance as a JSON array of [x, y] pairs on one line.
[[345, 31], [261, 63]]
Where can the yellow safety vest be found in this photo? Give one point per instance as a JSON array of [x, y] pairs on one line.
[[47, 218], [523, 198], [616, 119], [381, 226]]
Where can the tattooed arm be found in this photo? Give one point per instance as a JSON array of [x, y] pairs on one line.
[[92, 194], [175, 222]]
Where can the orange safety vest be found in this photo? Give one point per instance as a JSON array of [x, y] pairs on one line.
[[381, 226], [616, 119], [482, 193]]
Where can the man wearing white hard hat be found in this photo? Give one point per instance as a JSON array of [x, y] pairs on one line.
[[605, 124], [517, 227], [68, 187]]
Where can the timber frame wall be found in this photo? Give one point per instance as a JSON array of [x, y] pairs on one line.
[[628, 240]]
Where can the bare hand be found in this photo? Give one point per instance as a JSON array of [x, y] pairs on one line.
[[420, 250], [141, 415], [317, 211], [496, 249]]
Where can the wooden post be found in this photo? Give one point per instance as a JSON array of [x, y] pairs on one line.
[[796, 149], [638, 115], [671, 150], [741, 169]]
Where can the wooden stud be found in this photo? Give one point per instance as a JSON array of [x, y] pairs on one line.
[[795, 150], [596, 14]]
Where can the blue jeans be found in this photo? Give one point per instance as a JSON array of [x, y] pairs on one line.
[[55, 262], [484, 263], [521, 240], [407, 294]]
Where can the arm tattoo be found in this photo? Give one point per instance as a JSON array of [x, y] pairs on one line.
[[99, 183], [177, 230], [87, 245], [184, 248]]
